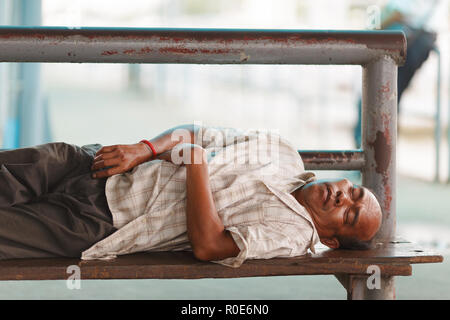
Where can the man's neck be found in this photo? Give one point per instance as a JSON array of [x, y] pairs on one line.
[[297, 194]]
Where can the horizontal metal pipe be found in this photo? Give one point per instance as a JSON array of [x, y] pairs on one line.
[[329, 160], [202, 46], [333, 160]]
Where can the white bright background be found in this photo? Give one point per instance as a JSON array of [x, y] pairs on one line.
[[313, 106]]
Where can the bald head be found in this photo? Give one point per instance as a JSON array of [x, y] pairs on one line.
[[371, 216], [341, 210]]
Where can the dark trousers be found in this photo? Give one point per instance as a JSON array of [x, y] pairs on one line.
[[49, 204]]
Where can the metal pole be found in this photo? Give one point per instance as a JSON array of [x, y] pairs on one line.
[[213, 46], [357, 289], [437, 117], [448, 131], [31, 112], [4, 83], [333, 160], [7, 84], [379, 135]]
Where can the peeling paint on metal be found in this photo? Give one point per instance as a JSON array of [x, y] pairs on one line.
[[244, 57], [382, 152], [178, 50], [328, 160], [109, 53]]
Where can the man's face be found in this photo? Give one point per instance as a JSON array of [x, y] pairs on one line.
[[340, 208]]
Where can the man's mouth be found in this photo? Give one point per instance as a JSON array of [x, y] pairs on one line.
[[328, 191]]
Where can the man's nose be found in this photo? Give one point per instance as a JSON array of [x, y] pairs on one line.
[[341, 198]]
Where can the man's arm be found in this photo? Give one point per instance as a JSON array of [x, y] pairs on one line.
[[206, 232], [122, 158]]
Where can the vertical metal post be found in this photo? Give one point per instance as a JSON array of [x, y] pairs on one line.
[[6, 69], [3, 76], [437, 117], [31, 109], [448, 131], [357, 289], [379, 135]]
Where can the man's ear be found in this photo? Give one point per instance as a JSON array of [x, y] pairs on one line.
[[332, 243]]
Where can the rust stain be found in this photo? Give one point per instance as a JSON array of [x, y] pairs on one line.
[[230, 37], [144, 50], [330, 158], [382, 152], [386, 88], [174, 39], [216, 51], [181, 50], [387, 188], [38, 36], [387, 133], [109, 53], [178, 50], [387, 196]]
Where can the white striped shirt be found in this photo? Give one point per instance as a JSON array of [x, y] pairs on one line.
[[252, 175]]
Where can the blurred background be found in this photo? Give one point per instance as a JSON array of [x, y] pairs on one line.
[[315, 107]]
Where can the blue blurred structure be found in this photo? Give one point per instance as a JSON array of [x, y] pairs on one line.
[[26, 120]]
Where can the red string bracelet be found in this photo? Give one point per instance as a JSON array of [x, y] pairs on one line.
[[151, 147]]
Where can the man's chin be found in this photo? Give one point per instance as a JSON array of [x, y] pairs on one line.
[[312, 212]]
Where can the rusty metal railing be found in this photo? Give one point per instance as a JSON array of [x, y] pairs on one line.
[[378, 52]]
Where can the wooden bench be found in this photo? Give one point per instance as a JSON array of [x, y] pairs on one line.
[[393, 259], [378, 53]]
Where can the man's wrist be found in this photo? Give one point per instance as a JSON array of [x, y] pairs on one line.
[[147, 152]]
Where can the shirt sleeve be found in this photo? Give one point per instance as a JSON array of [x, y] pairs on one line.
[[219, 137], [266, 241]]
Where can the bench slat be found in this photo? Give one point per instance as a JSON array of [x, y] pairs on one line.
[[393, 258]]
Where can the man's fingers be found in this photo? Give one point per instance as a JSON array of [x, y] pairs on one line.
[[104, 156], [107, 173], [106, 149], [100, 164]]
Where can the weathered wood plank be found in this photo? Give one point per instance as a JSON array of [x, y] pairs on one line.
[[392, 258]]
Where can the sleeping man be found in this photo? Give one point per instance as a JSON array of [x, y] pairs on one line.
[[224, 194]]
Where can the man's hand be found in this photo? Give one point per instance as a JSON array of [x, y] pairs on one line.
[[120, 158]]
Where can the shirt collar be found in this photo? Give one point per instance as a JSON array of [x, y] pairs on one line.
[[292, 203]]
